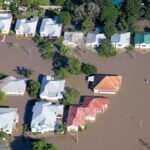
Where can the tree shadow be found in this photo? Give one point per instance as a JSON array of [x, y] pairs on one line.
[[147, 29], [22, 143]]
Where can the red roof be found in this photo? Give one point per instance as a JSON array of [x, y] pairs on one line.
[[90, 112], [97, 103], [76, 116]]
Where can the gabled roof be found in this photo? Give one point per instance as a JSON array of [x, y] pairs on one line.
[[27, 26], [142, 37], [5, 22], [73, 36], [45, 114], [50, 27], [97, 103], [106, 82], [7, 117], [95, 37], [13, 85], [76, 116], [51, 87], [121, 37]]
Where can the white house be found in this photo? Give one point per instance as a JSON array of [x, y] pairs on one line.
[[142, 40], [13, 86], [46, 117], [73, 39], [49, 28], [5, 22], [26, 27], [52, 89], [94, 39], [8, 119], [121, 40]]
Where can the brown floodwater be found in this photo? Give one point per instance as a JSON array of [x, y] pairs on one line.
[[125, 126]]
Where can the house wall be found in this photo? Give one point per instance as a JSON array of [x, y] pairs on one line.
[[70, 44], [142, 46], [120, 45], [72, 128], [90, 118], [102, 92]]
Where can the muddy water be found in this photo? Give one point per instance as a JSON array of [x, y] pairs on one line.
[[127, 120]]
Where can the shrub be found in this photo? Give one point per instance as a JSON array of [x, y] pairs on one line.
[[70, 95], [88, 69], [33, 88], [107, 50]]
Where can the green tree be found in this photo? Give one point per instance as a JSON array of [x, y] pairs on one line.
[[107, 50], [88, 24], [88, 69], [65, 18], [59, 2], [74, 66], [33, 88], [132, 9], [147, 12], [64, 50], [62, 73], [26, 72], [47, 50], [41, 145], [109, 29], [2, 97], [70, 95]]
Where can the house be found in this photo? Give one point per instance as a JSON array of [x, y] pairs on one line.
[[49, 28], [90, 113], [100, 104], [52, 89], [13, 86], [121, 39], [8, 119], [142, 40], [46, 117], [76, 118], [105, 84], [8, 2], [26, 27], [73, 39], [5, 22], [94, 39]]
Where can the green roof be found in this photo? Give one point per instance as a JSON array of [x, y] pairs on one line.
[[142, 37]]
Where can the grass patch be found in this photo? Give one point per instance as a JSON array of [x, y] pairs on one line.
[[43, 2]]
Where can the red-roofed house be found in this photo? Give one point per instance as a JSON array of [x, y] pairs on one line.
[[90, 114], [100, 104], [76, 118], [105, 84]]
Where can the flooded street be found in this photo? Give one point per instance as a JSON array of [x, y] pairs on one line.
[[124, 124]]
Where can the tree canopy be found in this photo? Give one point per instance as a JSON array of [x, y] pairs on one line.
[[33, 88], [41, 145]]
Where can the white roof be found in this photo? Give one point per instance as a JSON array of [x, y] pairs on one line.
[[121, 37], [50, 27], [45, 115], [93, 37], [27, 26], [52, 88], [5, 22], [7, 117], [13, 85], [73, 37]]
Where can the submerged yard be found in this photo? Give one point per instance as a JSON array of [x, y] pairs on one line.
[[124, 126]]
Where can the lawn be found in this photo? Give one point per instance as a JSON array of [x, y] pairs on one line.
[[42, 2], [1, 3]]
